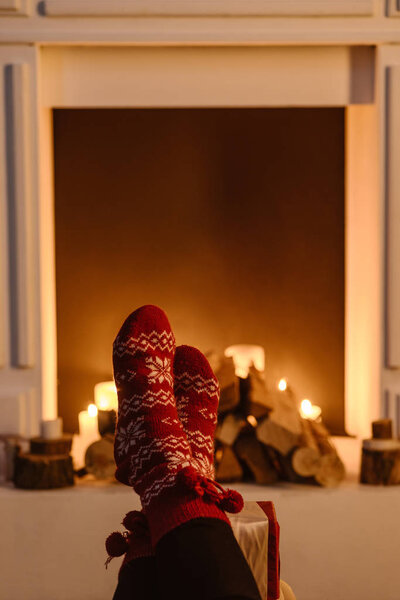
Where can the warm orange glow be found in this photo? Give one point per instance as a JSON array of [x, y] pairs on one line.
[[308, 410], [282, 385], [92, 410], [105, 395]]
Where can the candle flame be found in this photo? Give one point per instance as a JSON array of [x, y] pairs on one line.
[[92, 410], [282, 385], [309, 410], [306, 407]]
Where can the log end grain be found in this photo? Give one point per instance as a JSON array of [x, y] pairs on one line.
[[62, 445], [40, 472], [227, 466], [331, 471], [306, 461]]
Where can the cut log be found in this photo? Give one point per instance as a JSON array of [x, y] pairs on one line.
[[275, 459], [228, 382], [322, 437], [382, 429], [271, 433], [306, 461], [380, 463], [286, 414], [39, 472], [227, 466], [60, 446], [13, 445], [287, 471], [331, 471], [229, 429], [306, 458], [307, 437], [254, 395], [99, 458], [251, 452], [282, 429]]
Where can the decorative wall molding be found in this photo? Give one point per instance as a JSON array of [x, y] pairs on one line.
[[393, 8], [19, 195], [391, 399], [393, 218], [10, 5], [183, 8], [19, 414], [3, 242], [212, 76], [13, 8]]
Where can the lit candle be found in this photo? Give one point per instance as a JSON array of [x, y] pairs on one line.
[[105, 395], [88, 433], [309, 411], [244, 356], [88, 428]]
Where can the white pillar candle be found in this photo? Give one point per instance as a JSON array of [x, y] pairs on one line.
[[105, 395], [51, 429], [88, 433], [88, 427], [246, 355]]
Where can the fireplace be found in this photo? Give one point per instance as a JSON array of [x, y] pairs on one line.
[[342, 78], [230, 219], [253, 55]]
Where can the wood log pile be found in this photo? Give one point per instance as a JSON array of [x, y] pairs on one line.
[[262, 437]]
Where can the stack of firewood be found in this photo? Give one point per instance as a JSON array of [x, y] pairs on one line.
[[261, 435]]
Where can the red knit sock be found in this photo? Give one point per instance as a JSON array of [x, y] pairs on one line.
[[196, 392], [151, 449], [149, 435]]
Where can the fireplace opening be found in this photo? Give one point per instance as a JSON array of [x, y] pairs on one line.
[[232, 220]]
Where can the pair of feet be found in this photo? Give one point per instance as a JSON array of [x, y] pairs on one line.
[[168, 401]]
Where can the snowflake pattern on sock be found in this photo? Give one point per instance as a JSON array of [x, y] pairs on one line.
[[150, 444], [196, 392]]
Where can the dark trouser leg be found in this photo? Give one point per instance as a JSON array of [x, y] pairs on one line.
[[138, 580], [201, 560]]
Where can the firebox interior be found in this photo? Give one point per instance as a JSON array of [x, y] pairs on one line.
[[232, 220]]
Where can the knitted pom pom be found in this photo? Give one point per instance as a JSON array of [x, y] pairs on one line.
[[116, 544], [136, 522], [231, 502], [189, 477]]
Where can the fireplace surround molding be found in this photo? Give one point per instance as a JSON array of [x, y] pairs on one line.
[[129, 53]]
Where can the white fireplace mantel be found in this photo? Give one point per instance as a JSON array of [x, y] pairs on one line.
[[114, 53], [200, 21]]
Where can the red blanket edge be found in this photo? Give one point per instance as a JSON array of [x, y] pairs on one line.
[[273, 550]]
